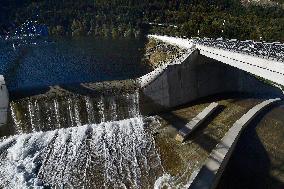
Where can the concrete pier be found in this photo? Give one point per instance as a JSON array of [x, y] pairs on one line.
[[196, 122], [4, 101], [196, 77]]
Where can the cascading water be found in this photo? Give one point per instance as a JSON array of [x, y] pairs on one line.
[[90, 110], [70, 111], [17, 122], [113, 154], [57, 115], [44, 113], [101, 109], [113, 109], [77, 114]]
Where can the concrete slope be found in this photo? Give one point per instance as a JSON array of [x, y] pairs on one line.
[[210, 173]]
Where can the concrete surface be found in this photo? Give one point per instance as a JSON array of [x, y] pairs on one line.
[[265, 68], [268, 69], [4, 101], [263, 140], [199, 76], [196, 122], [210, 173], [184, 159], [151, 76]]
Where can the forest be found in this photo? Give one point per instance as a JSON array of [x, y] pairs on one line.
[[131, 18]]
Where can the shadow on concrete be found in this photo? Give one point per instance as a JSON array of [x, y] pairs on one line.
[[249, 166], [202, 139], [205, 141], [174, 120], [235, 96], [208, 120], [7, 130], [202, 182]]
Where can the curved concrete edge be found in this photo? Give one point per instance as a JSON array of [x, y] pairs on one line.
[[4, 101], [210, 173], [196, 122]]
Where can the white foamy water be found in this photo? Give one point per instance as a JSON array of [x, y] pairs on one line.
[[119, 154], [171, 182]]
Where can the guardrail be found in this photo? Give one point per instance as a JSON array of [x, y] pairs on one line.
[[273, 51]]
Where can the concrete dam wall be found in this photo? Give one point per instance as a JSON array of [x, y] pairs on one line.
[[4, 101], [199, 76]]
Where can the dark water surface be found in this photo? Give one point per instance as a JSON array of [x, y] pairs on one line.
[[45, 62]]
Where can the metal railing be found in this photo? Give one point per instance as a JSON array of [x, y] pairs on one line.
[[273, 51]]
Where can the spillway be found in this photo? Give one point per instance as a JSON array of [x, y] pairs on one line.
[[35, 114], [79, 143]]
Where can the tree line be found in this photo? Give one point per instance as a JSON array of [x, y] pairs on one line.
[[130, 18]]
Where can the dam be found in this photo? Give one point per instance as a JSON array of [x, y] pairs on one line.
[[121, 134]]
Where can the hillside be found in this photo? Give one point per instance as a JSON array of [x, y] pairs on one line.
[[129, 18], [279, 3]]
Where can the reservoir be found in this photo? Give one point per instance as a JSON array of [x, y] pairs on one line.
[[29, 66]]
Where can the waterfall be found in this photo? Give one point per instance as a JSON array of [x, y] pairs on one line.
[[56, 110], [119, 154], [90, 110], [69, 101], [17, 122], [101, 109], [33, 109], [77, 114], [31, 114], [133, 101], [49, 115], [113, 113], [44, 113], [37, 116], [79, 142]]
